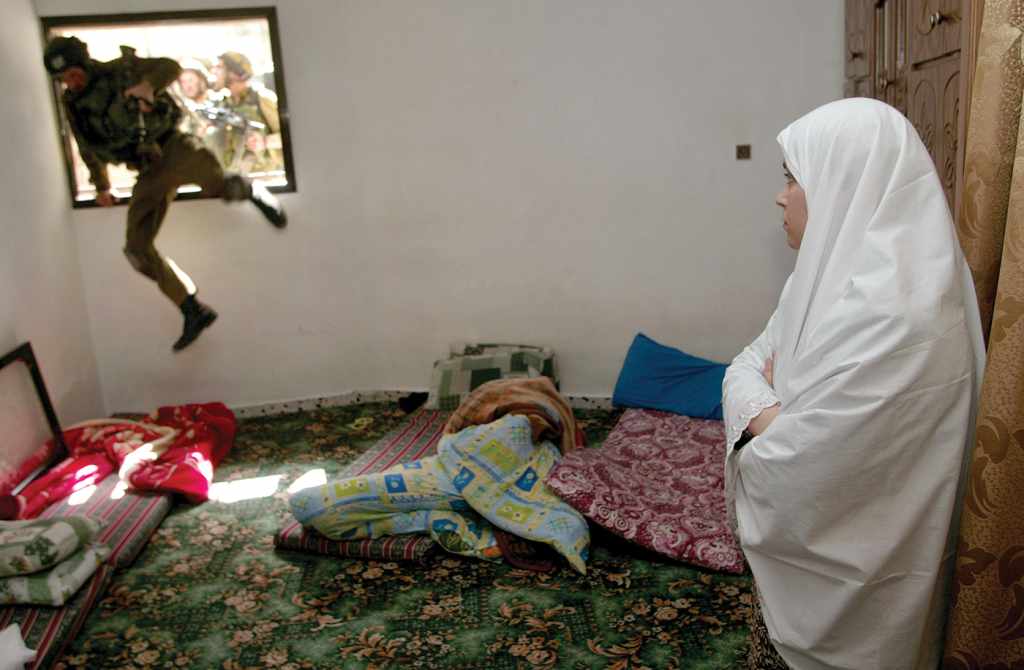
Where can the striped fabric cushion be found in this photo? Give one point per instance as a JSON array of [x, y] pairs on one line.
[[414, 440], [49, 629], [130, 517], [394, 548]]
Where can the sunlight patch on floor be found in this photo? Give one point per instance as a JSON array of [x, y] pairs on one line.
[[309, 479], [245, 489]]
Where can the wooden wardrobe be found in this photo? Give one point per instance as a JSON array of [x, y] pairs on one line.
[[918, 55]]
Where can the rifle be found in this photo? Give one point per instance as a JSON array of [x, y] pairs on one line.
[[146, 149], [223, 117]]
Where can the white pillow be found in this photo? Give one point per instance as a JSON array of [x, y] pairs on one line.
[[13, 652]]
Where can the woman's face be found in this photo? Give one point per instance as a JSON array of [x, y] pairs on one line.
[[794, 210]]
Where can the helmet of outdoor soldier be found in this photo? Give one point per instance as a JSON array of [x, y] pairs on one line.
[[236, 63]]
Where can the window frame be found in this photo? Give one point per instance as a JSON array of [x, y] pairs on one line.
[[269, 14]]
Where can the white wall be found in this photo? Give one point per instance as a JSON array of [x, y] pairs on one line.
[[557, 172], [41, 297]]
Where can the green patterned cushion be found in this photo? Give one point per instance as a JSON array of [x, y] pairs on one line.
[[31, 546], [453, 379], [56, 585]]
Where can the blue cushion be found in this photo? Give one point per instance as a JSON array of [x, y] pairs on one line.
[[658, 377]]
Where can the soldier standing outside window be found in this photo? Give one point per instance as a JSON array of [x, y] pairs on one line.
[[195, 97], [121, 112], [256, 147]]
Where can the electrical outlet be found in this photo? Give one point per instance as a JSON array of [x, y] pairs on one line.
[[743, 152]]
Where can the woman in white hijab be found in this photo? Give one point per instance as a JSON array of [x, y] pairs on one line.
[[848, 419]]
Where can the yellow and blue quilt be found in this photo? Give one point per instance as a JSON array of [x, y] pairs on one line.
[[483, 475]]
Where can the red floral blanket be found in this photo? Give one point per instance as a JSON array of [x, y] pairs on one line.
[[174, 450]]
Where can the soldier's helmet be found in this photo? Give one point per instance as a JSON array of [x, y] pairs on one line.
[[237, 63], [64, 52]]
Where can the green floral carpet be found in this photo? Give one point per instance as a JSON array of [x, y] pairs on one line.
[[210, 591]]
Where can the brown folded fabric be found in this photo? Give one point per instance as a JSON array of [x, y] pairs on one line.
[[535, 398], [526, 554]]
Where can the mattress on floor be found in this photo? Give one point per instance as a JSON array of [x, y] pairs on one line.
[[415, 439], [130, 519], [658, 480]]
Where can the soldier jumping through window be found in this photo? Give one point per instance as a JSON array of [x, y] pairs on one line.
[[120, 112]]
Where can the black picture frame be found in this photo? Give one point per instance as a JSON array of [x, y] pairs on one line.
[[24, 354], [51, 24]]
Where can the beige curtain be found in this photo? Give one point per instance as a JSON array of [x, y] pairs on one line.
[[986, 622]]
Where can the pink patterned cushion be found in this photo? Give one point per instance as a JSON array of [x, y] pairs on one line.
[[658, 481]]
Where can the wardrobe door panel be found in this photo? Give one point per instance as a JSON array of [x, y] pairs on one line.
[[934, 28]]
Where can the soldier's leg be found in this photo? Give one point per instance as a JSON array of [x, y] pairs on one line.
[[191, 162], [149, 202], [194, 163], [151, 197], [174, 163]]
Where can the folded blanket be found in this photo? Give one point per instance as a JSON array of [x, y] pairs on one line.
[[175, 451], [537, 399], [56, 585], [30, 546]]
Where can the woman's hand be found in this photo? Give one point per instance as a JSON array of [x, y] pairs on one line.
[[760, 423]]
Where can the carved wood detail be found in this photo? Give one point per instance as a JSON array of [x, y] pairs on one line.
[[924, 112], [950, 72]]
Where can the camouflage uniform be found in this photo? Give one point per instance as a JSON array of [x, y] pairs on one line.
[[259, 105], [110, 128]]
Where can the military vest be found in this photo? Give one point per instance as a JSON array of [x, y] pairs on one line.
[[248, 107], [110, 124]]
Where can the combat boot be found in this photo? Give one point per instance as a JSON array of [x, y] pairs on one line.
[[198, 317], [268, 204], [238, 187]]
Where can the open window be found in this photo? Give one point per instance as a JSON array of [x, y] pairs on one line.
[[231, 90]]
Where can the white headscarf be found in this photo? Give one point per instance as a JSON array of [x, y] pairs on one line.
[[846, 505]]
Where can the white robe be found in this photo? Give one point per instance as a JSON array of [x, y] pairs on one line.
[[846, 506]]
